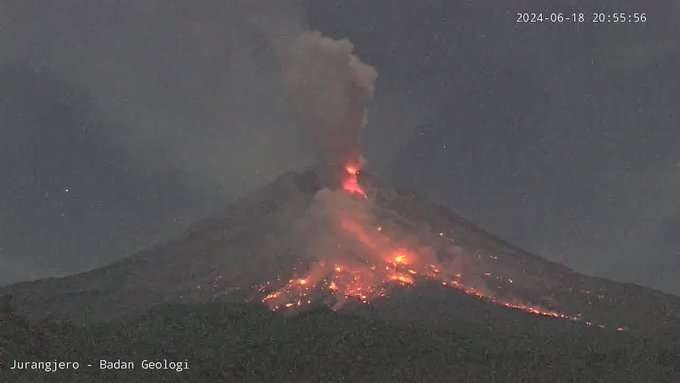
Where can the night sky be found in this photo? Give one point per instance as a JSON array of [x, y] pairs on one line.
[[123, 122]]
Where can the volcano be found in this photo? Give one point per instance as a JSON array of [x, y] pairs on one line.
[[379, 252]]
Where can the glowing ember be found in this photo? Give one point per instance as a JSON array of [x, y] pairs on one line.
[[404, 279], [400, 259], [273, 295]]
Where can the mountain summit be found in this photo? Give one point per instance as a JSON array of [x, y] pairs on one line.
[[294, 245]]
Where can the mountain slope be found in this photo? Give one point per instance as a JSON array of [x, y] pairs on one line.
[[227, 257], [214, 258]]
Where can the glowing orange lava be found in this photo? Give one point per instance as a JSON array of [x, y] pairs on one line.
[[400, 258], [405, 279], [351, 182], [379, 262]]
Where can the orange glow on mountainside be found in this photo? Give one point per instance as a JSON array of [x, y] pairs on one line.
[[379, 260]]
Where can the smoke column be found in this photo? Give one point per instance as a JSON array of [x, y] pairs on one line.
[[329, 88]]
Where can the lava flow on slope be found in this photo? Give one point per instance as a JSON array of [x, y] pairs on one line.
[[355, 257]]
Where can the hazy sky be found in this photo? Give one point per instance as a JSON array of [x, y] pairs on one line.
[[123, 122]]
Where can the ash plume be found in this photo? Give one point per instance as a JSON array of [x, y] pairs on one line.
[[329, 88]]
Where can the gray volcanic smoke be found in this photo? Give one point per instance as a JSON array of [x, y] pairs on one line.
[[329, 88]]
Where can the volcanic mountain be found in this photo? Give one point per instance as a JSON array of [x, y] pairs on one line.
[[294, 246]]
